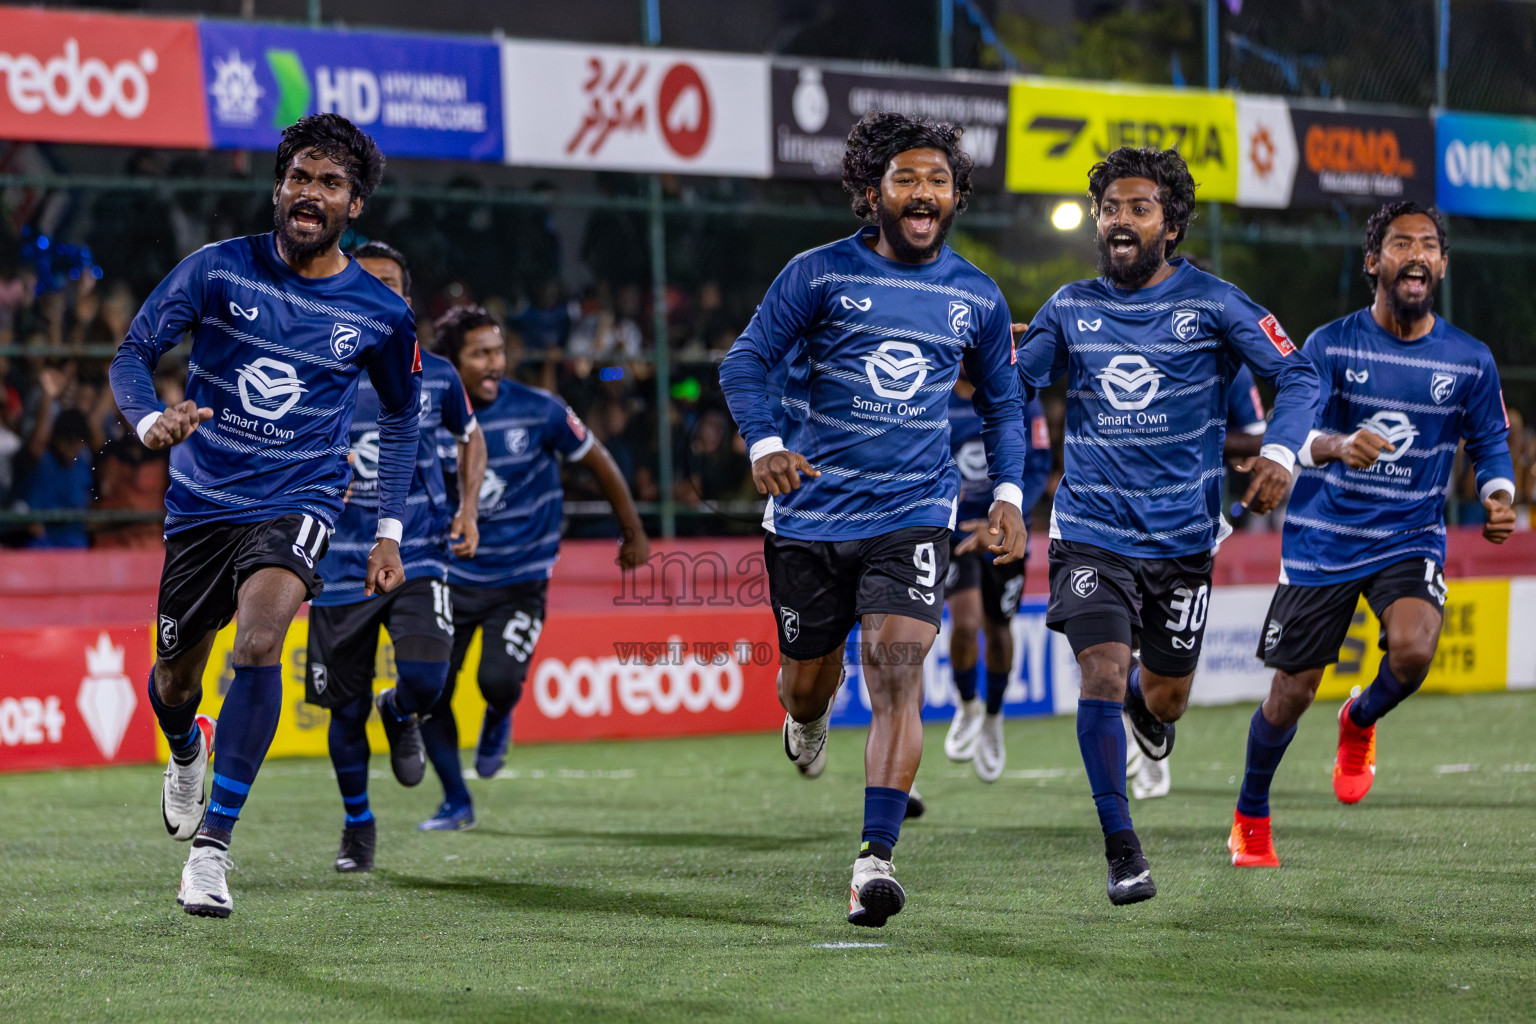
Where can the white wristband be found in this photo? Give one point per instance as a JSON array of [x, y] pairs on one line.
[[767, 446], [1013, 494], [1494, 486], [390, 529], [1305, 455], [144, 424], [1281, 454]]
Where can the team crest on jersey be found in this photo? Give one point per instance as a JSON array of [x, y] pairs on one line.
[[790, 622], [424, 407], [517, 441], [1186, 323], [1085, 580], [1272, 634], [365, 456], [344, 340], [317, 677], [492, 490], [959, 318], [1440, 387], [1396, 427]]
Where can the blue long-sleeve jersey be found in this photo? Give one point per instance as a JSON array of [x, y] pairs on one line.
[[1148, 375], [428, 512], [877, 345], [1424, 396], [1245, 409], [970, 454], [277, 357]]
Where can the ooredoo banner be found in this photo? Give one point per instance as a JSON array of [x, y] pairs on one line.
[[814, 109], [418, 96], [100, 78], [618, 108], [1363, 158]]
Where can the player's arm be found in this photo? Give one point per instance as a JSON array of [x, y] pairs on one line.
[[1037, 463], [1000, 405], [578, 445], [1041, 348], [395, 370], [1358, 450], [1487, 434], [1258, 338], [1245, 418], [173, 307], [785, 313], [459, 420]]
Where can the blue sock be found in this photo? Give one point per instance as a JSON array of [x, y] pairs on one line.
[[965, 681], [883, 810], [179, 723], [347, 739], [1384, 694], [1101, 738], [419, 684], [440, 735], [997, 685], [247, 724], [1133, 681], [1266, 746]]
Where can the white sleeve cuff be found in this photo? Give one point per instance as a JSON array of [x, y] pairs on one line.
[[1013, 494], [469, 430], [144, 424], [1281, 454], [767, 446], [581, 452], [390, 529], [1305, 455], [1494, 486]]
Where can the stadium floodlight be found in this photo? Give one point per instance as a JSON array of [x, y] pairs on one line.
[[1067, 216]]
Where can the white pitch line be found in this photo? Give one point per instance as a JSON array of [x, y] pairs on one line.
[[849, 945]]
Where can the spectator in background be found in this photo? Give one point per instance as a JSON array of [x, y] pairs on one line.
[[61, 479], [546, 323], [131, 477]]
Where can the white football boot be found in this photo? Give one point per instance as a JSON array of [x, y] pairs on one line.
[[960, 741], [203, 889], [991, 755]]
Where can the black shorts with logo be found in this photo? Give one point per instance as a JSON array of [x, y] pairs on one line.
[[513, 618], [820, 588], [1163, 601], [1001, 585], [206, 565], [344, 639], [1306, 626]]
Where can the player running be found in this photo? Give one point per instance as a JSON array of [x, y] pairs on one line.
[[344, 622], [1149, 348], [884, 319], [528, 433], [983, 595], [283, 327], [1402, 388]]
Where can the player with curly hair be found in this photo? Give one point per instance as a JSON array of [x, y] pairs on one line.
[[862, 489], [1151, 348]]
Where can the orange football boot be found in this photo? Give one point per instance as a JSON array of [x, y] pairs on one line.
[[1354, 767], [1251, 844]]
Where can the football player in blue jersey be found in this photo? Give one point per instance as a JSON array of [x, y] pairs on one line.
[[982, 595], [1150, 348], [1402, 388], [861, 503], [501, 590], [284, 326], [344, 623]]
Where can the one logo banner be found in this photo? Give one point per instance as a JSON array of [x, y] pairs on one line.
[[814, 109], [1487, 165], [99, 78], [1365, 158], [418, 96], [618, 108], [1056, 132]]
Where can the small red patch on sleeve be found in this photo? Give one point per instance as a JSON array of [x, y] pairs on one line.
[[1276, 335], [1040, 433], [577, 427], [1505, 408], [416, 359], [1013, 354]]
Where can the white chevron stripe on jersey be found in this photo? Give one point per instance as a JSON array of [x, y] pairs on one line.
[[901, 282], [220, 274], [897, 332], [274, 347], [1151, 492], [1147, 442], [1397, 360], [1119, 531], [1209, 305], [1394, 404], [1348, 483], [1372, 533], [846, 517]]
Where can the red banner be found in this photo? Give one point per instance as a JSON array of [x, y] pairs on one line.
[[74, 696], [100, 78]]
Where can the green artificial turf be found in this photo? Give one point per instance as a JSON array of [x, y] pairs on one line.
[[704, 880]]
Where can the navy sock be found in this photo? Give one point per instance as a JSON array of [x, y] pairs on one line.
[[440, 735], [1101, 738], [347, 740], [997, 685], [247, 724], [179, 723], [1133, 681], [883, 810], [1266, 746], [965, 681], [1384, 694], [420, 683]]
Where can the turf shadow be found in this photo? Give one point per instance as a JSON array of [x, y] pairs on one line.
[[755, 843]]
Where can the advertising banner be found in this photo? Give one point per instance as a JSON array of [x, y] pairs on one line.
[[100, 78], [1363, 158], [1057, 131], [73, 696], [418, 96], [1266, 170], [631, 109], [1487, 165], [814, 109]]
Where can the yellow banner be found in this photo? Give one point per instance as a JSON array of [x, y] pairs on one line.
[[302, 727], [1057, 131], [1473, 652]]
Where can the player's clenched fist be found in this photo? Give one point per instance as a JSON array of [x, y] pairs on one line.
[[1501, 518], [1269, 484], [1362, 448], [175, 425], [385, 570], [779, 472]]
